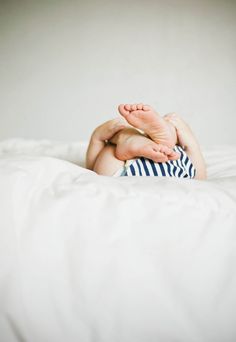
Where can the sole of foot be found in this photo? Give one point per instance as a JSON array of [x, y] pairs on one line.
[[149, 121], [139, 146]]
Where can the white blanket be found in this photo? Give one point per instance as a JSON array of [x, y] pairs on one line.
[[96, 259]]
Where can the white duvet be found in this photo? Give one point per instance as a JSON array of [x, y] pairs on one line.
[[96, 259]]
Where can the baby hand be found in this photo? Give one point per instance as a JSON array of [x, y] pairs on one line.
[[107, 130]]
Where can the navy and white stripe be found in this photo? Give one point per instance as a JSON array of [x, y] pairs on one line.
[[180, 168]]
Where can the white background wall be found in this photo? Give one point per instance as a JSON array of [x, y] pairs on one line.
[[66, 65]]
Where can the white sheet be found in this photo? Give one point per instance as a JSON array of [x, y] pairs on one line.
[[96, 259]]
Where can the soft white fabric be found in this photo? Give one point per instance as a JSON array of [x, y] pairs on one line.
[[72, 151], [100, 259]]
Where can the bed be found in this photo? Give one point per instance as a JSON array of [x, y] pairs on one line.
[[96, 259]]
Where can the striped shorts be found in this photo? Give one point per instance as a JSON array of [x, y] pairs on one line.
[[180, 168]]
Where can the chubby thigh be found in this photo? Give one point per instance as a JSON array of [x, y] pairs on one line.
[[106, 163]]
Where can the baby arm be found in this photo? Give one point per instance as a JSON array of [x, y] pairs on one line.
[[187, 140]]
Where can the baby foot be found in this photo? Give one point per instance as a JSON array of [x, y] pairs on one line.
[[131, 144], [145, 118]]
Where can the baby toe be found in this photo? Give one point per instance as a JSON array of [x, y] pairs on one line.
[[127, 107], [174, 156], [134, 107], [122, 110], [146, 107]]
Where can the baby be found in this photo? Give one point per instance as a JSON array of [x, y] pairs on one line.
[[145, 144]]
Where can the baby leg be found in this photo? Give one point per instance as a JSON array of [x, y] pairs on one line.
[[98, 139], [188, 141], [106, 163]]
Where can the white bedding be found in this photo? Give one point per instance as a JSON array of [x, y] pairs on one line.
[[96, 259]]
